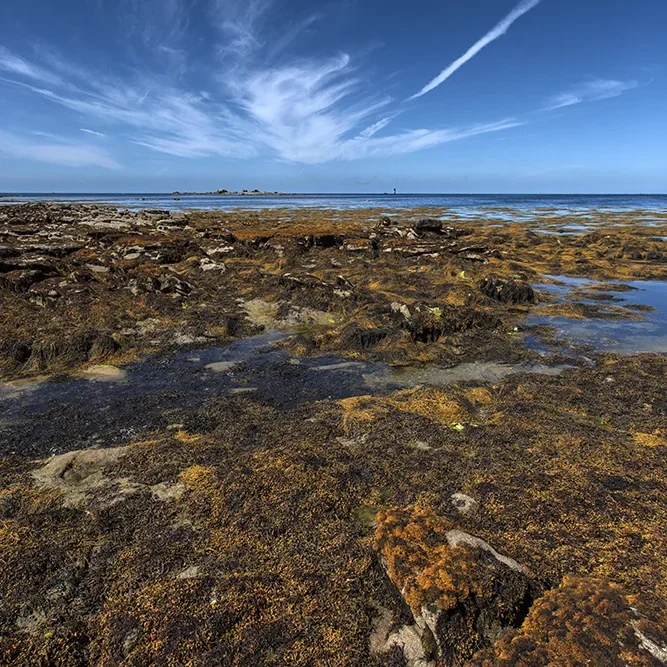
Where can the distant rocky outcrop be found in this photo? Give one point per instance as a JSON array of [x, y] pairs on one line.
[[234, 193]]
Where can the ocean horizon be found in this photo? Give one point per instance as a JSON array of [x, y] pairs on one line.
[[458, 202]]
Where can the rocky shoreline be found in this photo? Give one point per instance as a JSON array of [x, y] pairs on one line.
[[517, 521]]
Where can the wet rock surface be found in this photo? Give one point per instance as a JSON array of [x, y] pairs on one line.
[[98, 406], [71, 275]]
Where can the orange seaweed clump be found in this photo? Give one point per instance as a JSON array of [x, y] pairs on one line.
[[656, 439], [457, 585], [586, 621], [432, 403], [421, 562], [412, 541]]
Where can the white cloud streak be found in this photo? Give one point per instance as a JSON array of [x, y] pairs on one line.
[[93, 132], [261, 101], [164, 119], [17, 66], [491, 36], [306, 111], [590, 91], [61, 152], [373, 129], [411, 141]]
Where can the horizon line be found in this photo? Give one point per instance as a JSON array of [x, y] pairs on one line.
[[335, 194]]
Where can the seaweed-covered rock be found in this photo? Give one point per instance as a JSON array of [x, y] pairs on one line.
[[436, 228], [429, 226], [103, 346], [427, 324], [364, 338], [462, 593], [7, 252], [165, 284], [14, 352], [76, 348], [323, 241], [507, 291], [21, 280], [585, 621]]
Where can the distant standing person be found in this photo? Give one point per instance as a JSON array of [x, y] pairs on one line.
[[394, 190]]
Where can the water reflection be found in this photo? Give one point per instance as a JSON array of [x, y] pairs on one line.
[[625, 336]]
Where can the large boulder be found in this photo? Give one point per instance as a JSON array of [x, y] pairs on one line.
[[14, 353], [462, 593]]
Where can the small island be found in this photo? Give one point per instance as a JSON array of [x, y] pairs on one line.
[[234, 193]]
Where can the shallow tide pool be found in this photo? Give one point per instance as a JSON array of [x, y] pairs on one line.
[[106, 406], [622, 336]]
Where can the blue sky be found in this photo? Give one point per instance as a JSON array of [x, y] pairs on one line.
[[341, 96]]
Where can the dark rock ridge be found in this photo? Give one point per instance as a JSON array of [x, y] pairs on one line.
[[516, 292]]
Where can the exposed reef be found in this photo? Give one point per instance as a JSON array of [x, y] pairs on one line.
[[461, 516], [84, 284]]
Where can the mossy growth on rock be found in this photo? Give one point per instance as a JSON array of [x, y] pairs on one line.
[[462, 593], [585, 621]]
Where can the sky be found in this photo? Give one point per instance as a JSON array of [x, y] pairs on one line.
[[461, 96]]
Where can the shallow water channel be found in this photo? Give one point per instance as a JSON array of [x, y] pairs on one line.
[[108, 406]]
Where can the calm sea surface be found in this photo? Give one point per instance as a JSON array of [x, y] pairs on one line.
[[471, 204]]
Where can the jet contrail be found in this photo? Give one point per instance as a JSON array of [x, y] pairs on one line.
[[521, 9]]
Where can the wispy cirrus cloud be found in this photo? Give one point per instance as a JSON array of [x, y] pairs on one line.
[[590, 91], [307, 111], [373, 129], [411, 141], [238, 23], [162, 118], [258, 99], [94, 133], [54, 150], [18, 66], [498, 31], [304, 110], [160, 25]]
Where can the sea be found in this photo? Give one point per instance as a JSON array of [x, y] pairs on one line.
[[462, 204]]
